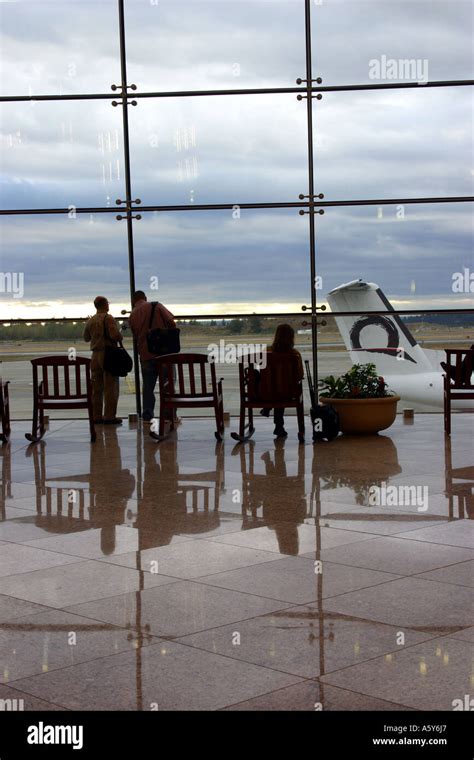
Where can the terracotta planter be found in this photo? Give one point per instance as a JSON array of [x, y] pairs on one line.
[[364, 415]]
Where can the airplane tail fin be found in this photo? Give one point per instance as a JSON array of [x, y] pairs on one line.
[[377, 338]]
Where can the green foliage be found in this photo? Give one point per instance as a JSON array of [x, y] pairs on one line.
[[255, 325], [361, 381], [235, 326], [46, 332]]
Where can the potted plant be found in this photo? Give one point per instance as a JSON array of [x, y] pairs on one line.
[[361, 399]]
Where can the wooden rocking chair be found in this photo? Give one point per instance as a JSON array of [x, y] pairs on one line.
[[61, 391], [458, 380], [4, 412], [196, 387], [275, 387]]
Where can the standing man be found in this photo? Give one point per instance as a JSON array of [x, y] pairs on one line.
[[102, 330], [140, 324]]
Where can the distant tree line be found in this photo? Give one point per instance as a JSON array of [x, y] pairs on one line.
[[447, 320], [39, 332]]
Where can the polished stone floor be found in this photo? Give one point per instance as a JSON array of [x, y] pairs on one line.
[[190, 575]]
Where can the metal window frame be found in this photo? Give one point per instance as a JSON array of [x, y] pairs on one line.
[[310, 204]]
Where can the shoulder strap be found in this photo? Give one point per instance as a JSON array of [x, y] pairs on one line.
[[106, 334], [152, 313]]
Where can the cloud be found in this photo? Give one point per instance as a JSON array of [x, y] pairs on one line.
[[234, 149]]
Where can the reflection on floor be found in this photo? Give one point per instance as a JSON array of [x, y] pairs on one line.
[[270, 576]]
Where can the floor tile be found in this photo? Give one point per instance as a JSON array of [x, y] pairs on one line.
[[76, 583], [461, 574], [293, 579], [302, 641], [410, 602], [193, 559], [428, 676], [396, 555], [16, 559], [180, 608], [458, 533], [47, 641], [19, 701], [167, 677], [313, 696], [96, 544], [289, 538], [11, 608]]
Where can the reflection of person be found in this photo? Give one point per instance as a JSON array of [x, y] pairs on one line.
[[140, 324], [111, 487], [281, 496], [283, 343], [100, 331], [162, 506]]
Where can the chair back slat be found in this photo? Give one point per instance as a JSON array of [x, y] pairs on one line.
[[181, 380], [192, 381], [459, 363], [56, 391], [202, 367], [278, 381], [78, 380], [67, 387], [44, 379], [61, 378]]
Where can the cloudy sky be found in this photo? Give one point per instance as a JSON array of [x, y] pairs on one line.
[[234, 149]]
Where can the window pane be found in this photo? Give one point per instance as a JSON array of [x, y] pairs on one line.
[[372, 41], [211, 262], [58, 48], [55, 155], [394, 144], [219, 149], [417, 254], [183, 45], [63, 264]]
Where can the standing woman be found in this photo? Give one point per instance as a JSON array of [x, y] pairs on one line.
[[102, 330]]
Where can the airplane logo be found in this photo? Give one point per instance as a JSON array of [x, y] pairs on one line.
[[393, 339]]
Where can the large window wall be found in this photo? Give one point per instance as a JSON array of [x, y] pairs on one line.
[[209, 123]]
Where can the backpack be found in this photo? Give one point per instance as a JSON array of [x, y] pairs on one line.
[[325, 419]]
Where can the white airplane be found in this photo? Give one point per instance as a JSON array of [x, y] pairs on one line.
[[414, 373]]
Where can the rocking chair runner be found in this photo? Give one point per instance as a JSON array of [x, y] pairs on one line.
[[195, 373], [4, 412], [275, 387], [458, 380], [57, 389]]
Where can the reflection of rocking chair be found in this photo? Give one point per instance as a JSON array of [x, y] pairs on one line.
[[4, 412], [198, 487], [6, 484], [259, 490], [171, 503], [459, 484], [62, 504]]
